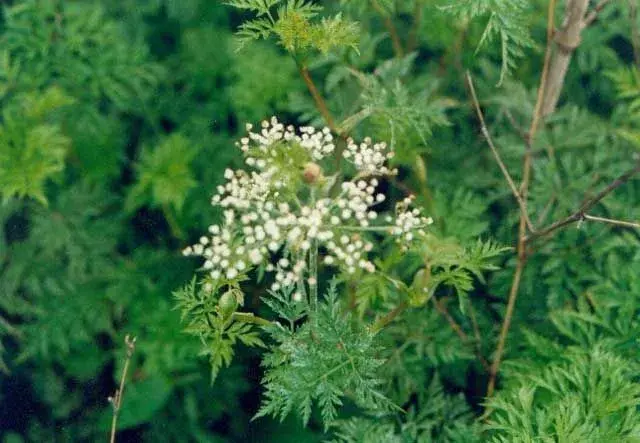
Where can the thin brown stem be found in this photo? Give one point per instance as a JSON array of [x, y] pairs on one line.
[[412, 42], [478, 337], [546, 210], [318, 99], [537, 113], [321, 104], [635, 33], [611, 221], [579, 214], [591, 17], [116, 400], [566, 39], [441, 307], [524, 188], [391, 29], [496, 154], [388, 318], [504, 330]]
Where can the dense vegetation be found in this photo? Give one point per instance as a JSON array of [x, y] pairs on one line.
[[492, 292]]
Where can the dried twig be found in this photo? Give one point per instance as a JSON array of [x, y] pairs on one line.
[[524, 187], [391, 29], [441, 307], [611, 221], [580, 213], [635, 33], [116, 399], [388, 318], [478, 337], [496, 154], [567, 39], [590, 18], [412, 42]]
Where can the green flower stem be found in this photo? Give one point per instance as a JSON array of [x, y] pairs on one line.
[[385, 228], [384, 321], [248, 317], [313, 265], [174, 226], [313, 276]]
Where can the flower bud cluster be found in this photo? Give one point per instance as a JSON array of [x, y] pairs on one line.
[[268, 223]]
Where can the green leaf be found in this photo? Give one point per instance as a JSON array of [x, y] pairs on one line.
[[506, 22], [32, 150], [164, 174]]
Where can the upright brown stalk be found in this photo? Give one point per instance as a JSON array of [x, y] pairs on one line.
[[317, 98], [116, 400], [412, 41], [551, 82], [441, 307], [496, 154], [566, 40], [391, 29], [635, 33], [524, 187], [591, 17]]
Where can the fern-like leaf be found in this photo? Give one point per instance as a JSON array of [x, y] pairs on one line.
[[506, 22]]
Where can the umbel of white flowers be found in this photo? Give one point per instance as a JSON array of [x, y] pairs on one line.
[[284, 211]]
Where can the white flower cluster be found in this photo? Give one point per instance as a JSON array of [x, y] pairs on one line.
[[266, 222], [259, 146], [369, 157], [408, 221]]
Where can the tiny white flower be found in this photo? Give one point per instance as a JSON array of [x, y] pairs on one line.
[[232, 273], [255, 256]]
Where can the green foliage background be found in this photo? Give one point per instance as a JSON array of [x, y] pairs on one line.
[[118, 120]]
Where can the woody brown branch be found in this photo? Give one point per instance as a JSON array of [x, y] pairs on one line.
[[318, 99], [505, 172], [391, 29], [441, 307], [524, 187], [580, 213], [566, 40]]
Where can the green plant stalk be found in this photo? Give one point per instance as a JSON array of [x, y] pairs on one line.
[[313, 276], [248, 317], [116, 400], [388, 318], [174, 226]]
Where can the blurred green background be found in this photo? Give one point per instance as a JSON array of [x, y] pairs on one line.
[[128, 110]]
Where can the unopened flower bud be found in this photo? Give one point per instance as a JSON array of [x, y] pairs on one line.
[[311, 173], [228, 304]]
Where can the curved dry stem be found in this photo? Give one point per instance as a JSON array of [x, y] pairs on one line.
[[116, 400], [524, 187], [496, 154]]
